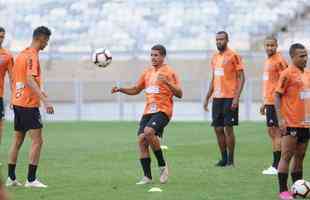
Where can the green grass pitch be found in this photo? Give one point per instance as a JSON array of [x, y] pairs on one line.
[[98, 161]]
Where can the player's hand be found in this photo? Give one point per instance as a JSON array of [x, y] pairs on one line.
[[115, 90], [282, 127], [205, 105], [235, 103], [11, 106], [49, 108], [163, 78], [262, 109]]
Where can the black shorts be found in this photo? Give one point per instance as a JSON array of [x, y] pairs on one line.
[[1, 108], [302, 134], [222, 114], [157, 121], [271, 116], [26, 119]]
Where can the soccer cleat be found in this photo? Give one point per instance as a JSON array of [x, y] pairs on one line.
[[270, 171], [35, 184], [144, 180], [163, 173], [11, 183], [221, 163], [286, 195]]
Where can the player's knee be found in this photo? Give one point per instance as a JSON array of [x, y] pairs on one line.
[[38, 142], [300, 156], [149, 132], [286, 155]]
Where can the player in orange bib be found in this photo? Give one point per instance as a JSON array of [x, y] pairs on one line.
[[274, 65], [160, 84], [6, 65], [290, 108], [225, 87], [26, 97]]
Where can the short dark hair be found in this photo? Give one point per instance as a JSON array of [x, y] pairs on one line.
[[41, 30], [223, 32], [161, 49], [2, 29], [294, 47], [271, 37]]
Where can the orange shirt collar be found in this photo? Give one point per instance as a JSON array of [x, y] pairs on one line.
[[162, 66], [34, 50], [295, 68]]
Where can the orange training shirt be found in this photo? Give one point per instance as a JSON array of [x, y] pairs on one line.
[[224, 68], [6, 65], [159, 98], [272, 69], [27, 63]]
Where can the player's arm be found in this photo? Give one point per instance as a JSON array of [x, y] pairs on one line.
[[174, 87], [209, 94], [280, 90], [240, 85], [129, 91], [43, 97], [277, 104]]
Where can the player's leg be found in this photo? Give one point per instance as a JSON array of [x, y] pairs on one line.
[[230, 119], [218, 124], [275, 136], [288, 146], [34, 124], [301, 149], [18, 139], [17, 142], [153, 129], [1, 119], [144, 154], [145, 159]]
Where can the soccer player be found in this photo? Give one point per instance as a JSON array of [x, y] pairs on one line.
[[160, 83], [290, 109], [6, 65], [274, 64], [226, 86], [27, 94]]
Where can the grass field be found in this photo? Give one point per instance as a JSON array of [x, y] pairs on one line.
[[98, 160]]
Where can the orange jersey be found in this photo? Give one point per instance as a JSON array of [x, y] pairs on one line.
[[159, 98], [292, 85], [6, 65], [272, 69], [224, 68], [26, 63]]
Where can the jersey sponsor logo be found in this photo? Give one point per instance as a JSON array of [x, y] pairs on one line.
[[265, 77], [305, 94], [152, 90], [219, 71], [19, 85]]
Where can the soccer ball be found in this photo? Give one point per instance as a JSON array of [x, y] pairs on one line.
[[301, 188], [102, 57]]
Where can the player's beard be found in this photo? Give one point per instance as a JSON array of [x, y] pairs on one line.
[[221, 48]]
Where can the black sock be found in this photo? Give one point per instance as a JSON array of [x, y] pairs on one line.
[[282, 178], [32, 169], [296, 176], [146, 166], [160, 158], [11, 171], [224, 156], [276, 159]]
